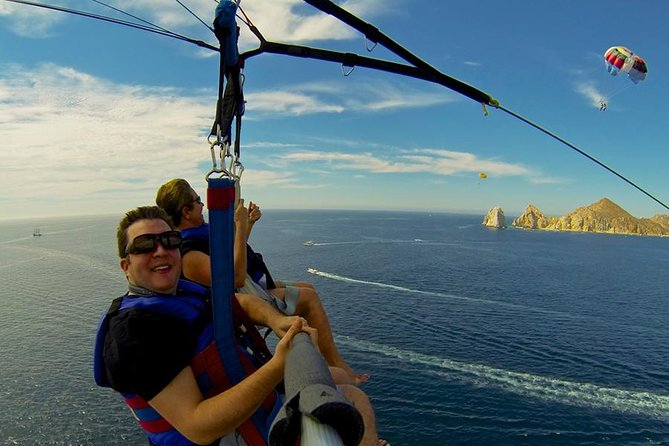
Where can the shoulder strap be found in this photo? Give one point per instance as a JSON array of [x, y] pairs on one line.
[[248, 334], [99, 373]]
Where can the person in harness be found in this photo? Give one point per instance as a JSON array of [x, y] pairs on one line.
[[185, 207], [155, 346]]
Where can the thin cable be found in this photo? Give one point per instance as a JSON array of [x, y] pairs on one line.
[[195, 15], [134, 17], [117, 22], [590, 157], [244, 19]]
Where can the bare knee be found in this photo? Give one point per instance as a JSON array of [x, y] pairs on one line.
[[308, 299]]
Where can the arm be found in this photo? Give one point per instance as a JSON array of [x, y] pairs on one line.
[[205, 420], [242, 230], [254, 216], [196, 266]]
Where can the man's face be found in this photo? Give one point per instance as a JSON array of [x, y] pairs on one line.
[[195, 216], [157, 271]]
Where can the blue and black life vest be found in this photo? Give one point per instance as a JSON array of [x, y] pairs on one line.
[[197, 239], [191, 304]]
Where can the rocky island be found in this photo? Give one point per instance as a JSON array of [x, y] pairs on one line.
[[495, 218], [603, 216]]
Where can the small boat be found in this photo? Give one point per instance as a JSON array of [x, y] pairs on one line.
[[309, 243], [37, 233]]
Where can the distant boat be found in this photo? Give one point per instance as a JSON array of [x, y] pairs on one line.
[[309, 243], [37, 233]]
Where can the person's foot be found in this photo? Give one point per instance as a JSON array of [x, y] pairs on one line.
[[356, 378], [360, 378], [383, 442]]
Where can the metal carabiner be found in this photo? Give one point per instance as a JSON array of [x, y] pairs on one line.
[[223, 153], [347, 72], [370, 48], [237, 169]]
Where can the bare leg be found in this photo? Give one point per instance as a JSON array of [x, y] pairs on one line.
[[364, 406], [310, 307], [341, 376]]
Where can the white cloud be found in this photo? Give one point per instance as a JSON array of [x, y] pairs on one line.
[[545, 179], [591, 92], [71, 138], [288, 103], [269, 145], [79, 144], [289, 20], [30, 21], [431, 161], [338, 97], [279, 20], [269, 178]]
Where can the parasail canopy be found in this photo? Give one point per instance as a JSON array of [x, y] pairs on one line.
[[620, 58]]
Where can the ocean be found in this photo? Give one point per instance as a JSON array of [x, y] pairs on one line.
[[472, 336]]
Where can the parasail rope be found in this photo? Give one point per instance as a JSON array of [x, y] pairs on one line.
[[582, 152]]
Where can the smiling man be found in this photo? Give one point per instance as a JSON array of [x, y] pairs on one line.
[[156, 347]]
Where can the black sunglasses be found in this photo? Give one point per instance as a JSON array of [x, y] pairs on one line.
[[145, 243]]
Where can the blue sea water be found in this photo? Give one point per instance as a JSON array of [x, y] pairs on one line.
[[472, 336]]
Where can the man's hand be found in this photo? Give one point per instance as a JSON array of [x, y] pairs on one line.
[[242, 219], [254, 212], [283, 346]]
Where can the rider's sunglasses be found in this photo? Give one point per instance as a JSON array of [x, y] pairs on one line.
[[146, 243]]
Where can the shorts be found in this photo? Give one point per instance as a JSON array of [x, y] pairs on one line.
[[284, 283], [287, 306]]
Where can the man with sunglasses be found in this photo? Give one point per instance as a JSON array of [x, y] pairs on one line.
[[155, 346]]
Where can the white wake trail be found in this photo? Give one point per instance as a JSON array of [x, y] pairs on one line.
[[526, 384], [407, 290]]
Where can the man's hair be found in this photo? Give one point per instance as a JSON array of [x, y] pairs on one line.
[[174, 196], [140, 213]]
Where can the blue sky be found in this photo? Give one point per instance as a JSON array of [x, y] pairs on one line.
[[95, 116]]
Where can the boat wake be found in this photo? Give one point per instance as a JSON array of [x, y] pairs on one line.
[[525, 384], [428, 293], [476, 300], [369, 241]]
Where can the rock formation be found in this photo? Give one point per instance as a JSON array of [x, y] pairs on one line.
[[661, 219], [602, 216], [495, 218], [532, 218]]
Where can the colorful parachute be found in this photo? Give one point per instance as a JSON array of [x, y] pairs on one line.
[[619, 58]]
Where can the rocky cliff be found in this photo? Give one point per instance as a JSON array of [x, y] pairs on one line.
[[495, 218], [533, 218], [602, 216]]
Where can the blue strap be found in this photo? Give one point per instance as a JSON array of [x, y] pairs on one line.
[[220, 202], [225, 28]]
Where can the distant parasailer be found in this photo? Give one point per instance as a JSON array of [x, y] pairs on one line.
[[482, 175], [620, 58]]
